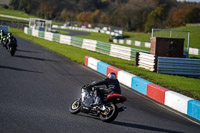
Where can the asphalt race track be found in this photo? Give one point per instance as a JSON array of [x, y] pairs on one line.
[[37, 86], [74, 32]]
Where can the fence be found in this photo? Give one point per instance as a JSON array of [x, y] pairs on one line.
[[179, 66], [87, 29], [114, 50], [169, 65], [132, 42], [146, 61]]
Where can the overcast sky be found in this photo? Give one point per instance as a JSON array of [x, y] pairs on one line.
[[190, 0]]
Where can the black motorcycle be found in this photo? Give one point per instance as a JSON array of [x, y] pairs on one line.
[[4, 41], [12, 45], [107, 110]]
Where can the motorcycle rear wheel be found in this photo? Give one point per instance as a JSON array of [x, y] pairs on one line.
[[75, 107], [110, 113], [12, 51]]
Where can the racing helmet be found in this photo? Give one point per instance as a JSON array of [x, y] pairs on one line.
[[9, 34], [112, 75]]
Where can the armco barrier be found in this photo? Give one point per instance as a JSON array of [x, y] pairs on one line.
[[169, 65], [147, 61], [132, 42], [89, 44], [88, 30], [167, 97], [65, 39], [122, 52], [179, 66]]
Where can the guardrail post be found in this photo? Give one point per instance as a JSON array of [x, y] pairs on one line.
[[156, 64], [137, 58]]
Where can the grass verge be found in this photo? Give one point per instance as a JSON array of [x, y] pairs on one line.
[[187, 86], [14, 13]]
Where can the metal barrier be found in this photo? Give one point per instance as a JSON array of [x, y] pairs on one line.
[[87, 29], [179, 66], [169, 65], [118, 51], [147, 61]]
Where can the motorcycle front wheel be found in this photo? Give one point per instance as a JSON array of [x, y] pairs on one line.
[[75, 107], [110, 113]]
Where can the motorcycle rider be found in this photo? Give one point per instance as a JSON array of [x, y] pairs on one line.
[[111, 83], [2, 34], [11, 40]]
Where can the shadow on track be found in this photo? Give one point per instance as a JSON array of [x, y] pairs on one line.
[[131, 125], [88, 116], [34, 58], [18, 69], [27, 51]]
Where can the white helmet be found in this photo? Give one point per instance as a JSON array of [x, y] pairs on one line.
[[112, 75]]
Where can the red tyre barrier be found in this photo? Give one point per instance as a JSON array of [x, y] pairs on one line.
[[86, 60], [156, 92], [112, 69]]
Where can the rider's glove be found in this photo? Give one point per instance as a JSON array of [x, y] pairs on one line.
[[88, 87]]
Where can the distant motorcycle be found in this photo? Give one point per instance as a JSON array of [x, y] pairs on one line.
[[12, 45], [107, 110], [4, 41]]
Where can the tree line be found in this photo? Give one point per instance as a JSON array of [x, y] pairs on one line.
[[131, 15]]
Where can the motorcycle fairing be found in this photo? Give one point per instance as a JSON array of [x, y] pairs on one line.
[[116, 97]]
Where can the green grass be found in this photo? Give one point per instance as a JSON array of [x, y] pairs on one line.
[[14, 13], [195, 35], [16, 20], [96, 36], [138, 36], [187, 86]]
